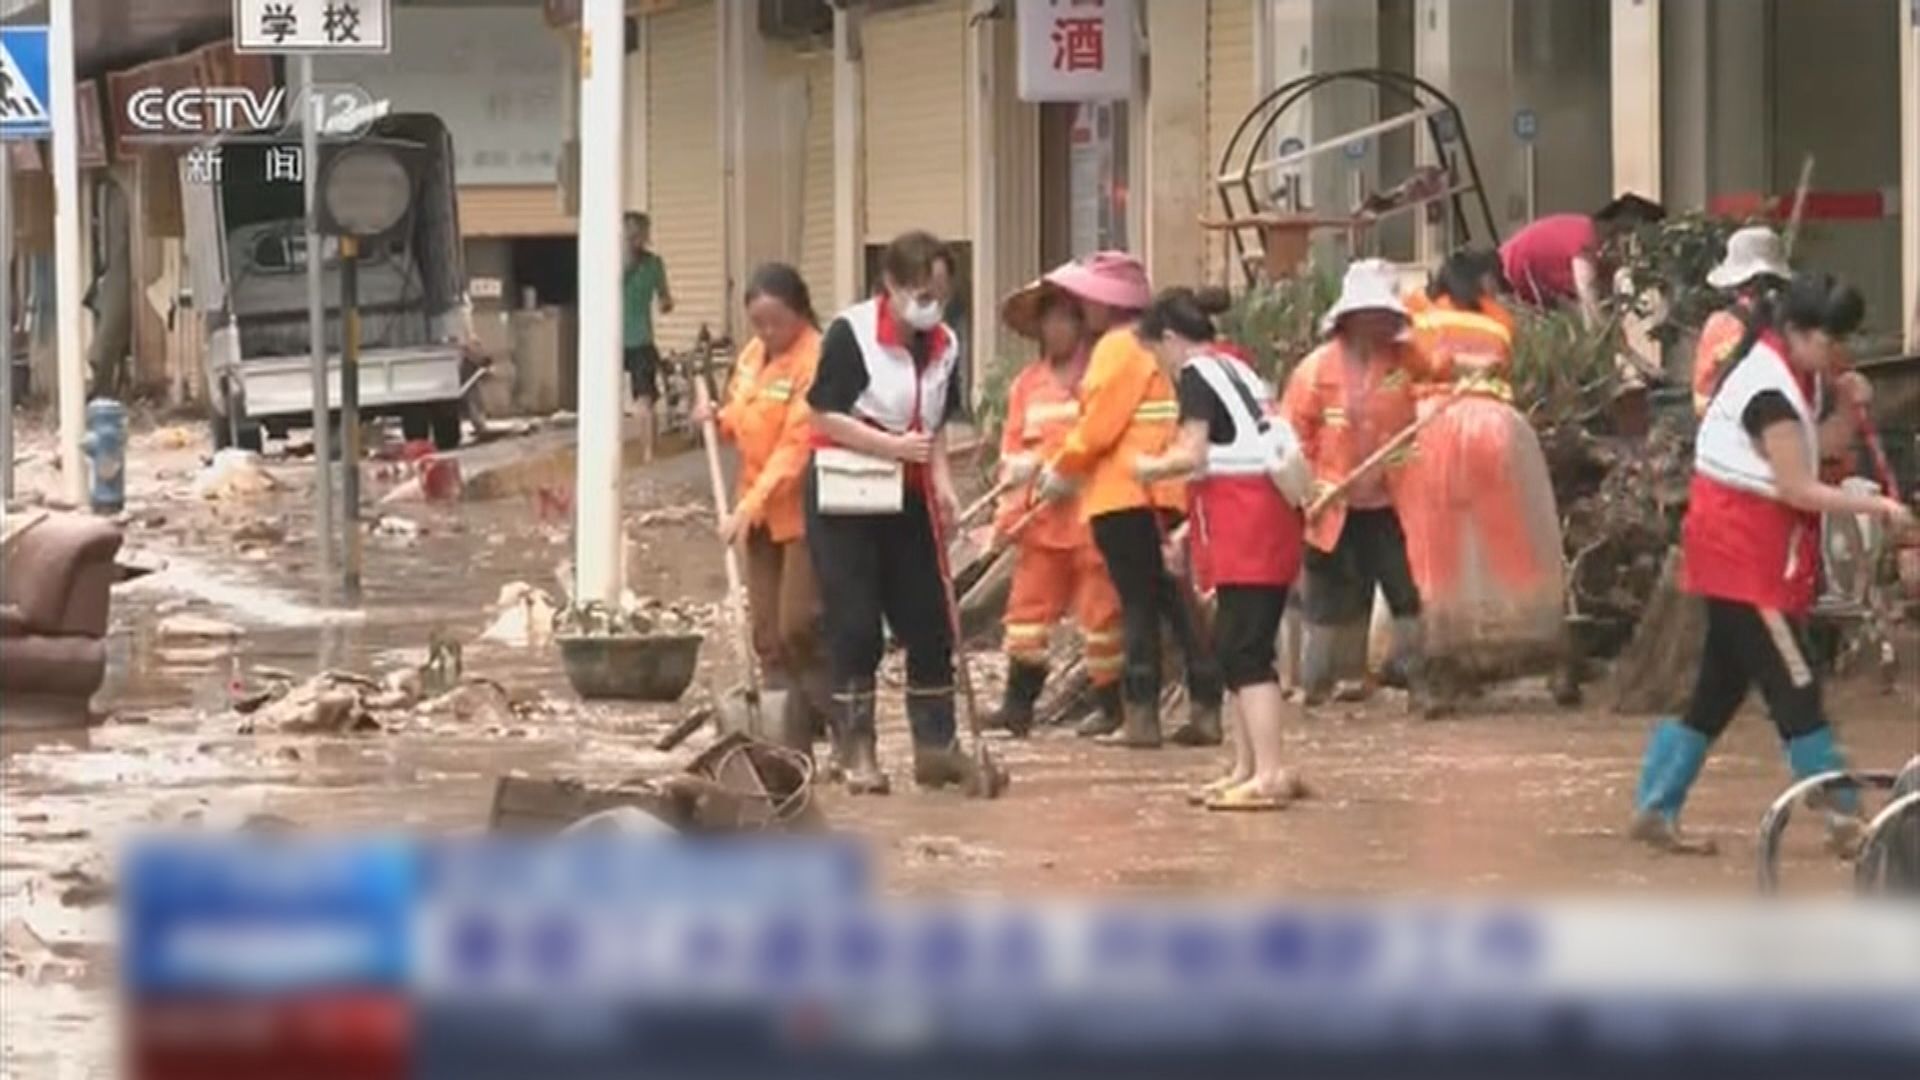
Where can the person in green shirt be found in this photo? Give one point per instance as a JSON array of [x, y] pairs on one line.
[[644, 279]]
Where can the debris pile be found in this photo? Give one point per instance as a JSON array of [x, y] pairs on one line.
[[344, 703], [636, 617], [523, 617], [234, 474]]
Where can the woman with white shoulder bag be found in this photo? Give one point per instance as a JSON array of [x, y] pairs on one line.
[[1249, 479], [879, 493]]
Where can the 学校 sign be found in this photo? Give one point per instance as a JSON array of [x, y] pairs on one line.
[[316, 26], [1076, 50]]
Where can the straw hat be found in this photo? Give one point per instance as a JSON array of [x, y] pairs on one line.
[[1751, 252], [1370, 285], [1113, 278]]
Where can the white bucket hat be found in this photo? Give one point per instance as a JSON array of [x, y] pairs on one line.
[[1751, 251], [1370, 285]]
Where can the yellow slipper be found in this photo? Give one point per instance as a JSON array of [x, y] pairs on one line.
[[1246, 799]]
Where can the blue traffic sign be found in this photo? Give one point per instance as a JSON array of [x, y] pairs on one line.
[[1356, 149], [1526, 125], [26, 110]]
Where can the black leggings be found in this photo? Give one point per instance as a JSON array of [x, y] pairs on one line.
[[880, 566], [1372, 550], [1749, 646], [1130, 542], [1246, 625]]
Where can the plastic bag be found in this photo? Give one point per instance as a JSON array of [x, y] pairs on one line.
[[1483, 540]]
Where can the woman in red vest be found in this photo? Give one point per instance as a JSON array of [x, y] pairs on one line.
[[1246, 536], [1751, 545]]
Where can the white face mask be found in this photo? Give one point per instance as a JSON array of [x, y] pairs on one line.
[[919, 314]]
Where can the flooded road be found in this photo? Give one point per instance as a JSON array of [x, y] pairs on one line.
[[1518, 797]]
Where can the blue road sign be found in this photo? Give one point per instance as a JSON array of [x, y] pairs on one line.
[[26, 107], [1526, 125], [1356, 149]]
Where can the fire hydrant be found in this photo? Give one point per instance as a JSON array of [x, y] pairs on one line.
[[105, 445]]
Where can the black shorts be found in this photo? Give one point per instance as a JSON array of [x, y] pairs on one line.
[[643, 371], [1246, 624]]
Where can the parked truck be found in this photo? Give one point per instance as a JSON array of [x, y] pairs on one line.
[[246, 238]]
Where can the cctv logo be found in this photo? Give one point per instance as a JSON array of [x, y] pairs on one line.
[[241, 114], [204, 110]]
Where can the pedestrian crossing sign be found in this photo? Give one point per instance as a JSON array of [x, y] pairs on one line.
[[26, 110]]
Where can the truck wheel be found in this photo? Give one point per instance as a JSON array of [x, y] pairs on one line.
[[446, 426], [416, 424], [251, 436]]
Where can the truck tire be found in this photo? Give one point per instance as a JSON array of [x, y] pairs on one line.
[[417, 423], [252, 437], [446, 426]]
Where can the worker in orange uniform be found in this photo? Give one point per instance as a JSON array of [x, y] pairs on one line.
[[1755, 266], [1128, 410], [766, 418], [1347, 399], [1483, 535], [1057, 565]]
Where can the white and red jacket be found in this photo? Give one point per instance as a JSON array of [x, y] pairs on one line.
[[1244, 532], [901, 396], [1742, 543]]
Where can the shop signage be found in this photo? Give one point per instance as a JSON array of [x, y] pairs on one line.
[[1076, 50], [313, 26]]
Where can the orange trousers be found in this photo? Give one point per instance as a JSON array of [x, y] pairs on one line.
[[1046, 583]]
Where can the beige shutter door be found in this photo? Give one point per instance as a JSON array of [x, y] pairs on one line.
[[1230, 94], [514, 210], [816, 181], [685, 191], [915, 102]]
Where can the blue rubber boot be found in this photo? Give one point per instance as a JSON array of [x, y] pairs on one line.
[[1675, 753], [1815, 753]]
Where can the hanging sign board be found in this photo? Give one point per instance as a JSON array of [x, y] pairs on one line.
[[1077, 50]]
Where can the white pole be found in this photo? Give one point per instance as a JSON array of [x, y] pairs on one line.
[[6, 323], [66, 251], [317, 335], [597, 524]]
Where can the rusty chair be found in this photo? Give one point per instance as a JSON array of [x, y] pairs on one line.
[[55, 578]]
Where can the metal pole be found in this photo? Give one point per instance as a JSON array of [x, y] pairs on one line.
[[6, 324], [350, 411], [597, 522], [66, 252], [317, 334], [1529, 157]]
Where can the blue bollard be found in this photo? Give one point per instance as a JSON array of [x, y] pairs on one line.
[[106, 445]]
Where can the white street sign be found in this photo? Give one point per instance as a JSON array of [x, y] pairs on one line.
[[312, 26], [1076, 50]]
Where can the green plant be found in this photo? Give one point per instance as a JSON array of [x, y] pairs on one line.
[[1280, 322], [1666, 265], [990, 401], [1562, 369]]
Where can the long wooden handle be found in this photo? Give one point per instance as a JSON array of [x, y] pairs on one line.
[[993, 495], [717, 477], [1374, 460]]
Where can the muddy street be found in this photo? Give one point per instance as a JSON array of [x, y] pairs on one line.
[[1517, 796]]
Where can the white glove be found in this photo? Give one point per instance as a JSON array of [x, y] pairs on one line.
[[1055, 488], [1018, 469]]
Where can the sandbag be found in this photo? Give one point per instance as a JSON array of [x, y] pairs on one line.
[[1483, 541]]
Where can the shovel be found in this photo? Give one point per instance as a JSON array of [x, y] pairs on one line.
[[748, 708], [989, 780]]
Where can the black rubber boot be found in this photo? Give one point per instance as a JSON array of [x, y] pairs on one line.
[[1108, 719], [1024, 683], [1202, 727], [856, 749], [938, 761], [1140, 727]]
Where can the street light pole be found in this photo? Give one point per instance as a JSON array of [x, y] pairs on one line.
[[598, 462], [66, 250], [317, 333]]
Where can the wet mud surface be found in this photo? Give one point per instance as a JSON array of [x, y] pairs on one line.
[[1516, 796]]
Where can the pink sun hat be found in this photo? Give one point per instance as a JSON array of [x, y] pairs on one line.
[[1113, 278]]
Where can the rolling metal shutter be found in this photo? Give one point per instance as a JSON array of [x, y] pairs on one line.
[[915, 103], [816, 180], [686, 192], [514, 210], [1230, 93]]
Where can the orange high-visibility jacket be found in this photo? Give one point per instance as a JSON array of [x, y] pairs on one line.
[[1041, 412], [766, 416], [1718, 338], [1127, 408], [1460, 345], [1315, 405]]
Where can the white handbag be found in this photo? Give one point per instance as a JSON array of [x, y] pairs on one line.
[[849, 482]]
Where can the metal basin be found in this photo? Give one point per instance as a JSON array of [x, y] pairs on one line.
[[655, 668]]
